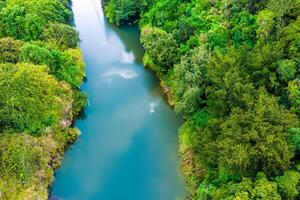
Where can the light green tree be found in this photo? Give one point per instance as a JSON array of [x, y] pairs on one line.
[[161, 47], [31, 100]]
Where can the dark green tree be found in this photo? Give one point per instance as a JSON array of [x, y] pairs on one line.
[[256, 139]]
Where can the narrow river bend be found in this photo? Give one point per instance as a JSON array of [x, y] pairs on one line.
[[128, 146]]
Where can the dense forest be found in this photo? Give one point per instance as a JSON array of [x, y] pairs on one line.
[[41, 70], [232, 68]]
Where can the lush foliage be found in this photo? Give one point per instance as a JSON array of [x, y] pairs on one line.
[[10, 50], [31, 99], [232, 68], [161, 48], [41, 70], [126, 11], [118, 13], [61, 34]]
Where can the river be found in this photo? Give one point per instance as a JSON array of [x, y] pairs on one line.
[[128, 146]]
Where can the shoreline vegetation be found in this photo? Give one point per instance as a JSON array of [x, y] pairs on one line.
[[41, 70], [232, 68]]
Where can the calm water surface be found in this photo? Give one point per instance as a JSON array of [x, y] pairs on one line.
[[128, 146]]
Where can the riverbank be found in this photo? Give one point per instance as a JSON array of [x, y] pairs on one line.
[[41, 70]]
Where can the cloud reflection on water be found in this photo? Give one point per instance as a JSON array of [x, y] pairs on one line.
[[122, 73]]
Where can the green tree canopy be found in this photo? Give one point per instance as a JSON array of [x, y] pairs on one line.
[[48, 10], [120, 11], [288, 184], [12, 22], [255, 139], [294, 95], [190, 80], [35, 54], [63, 35], [71, 68], [161, 47], [10, 50], [31, 100], [247, 189], [34, 26]]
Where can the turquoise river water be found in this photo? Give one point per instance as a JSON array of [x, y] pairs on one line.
[[128, 146]]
